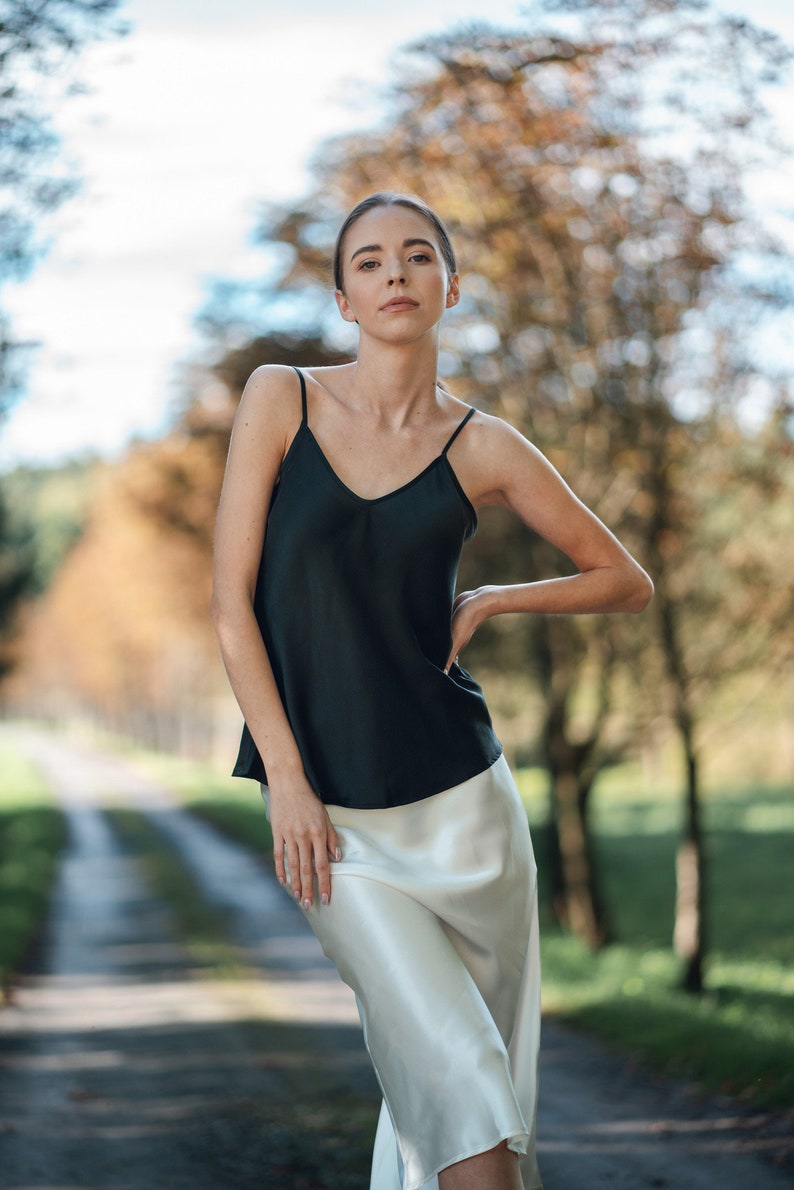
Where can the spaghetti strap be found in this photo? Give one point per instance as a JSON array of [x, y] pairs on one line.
[[303, 394], [458, 430]]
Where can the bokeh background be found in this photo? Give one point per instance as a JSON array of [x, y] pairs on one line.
[[618, 182]]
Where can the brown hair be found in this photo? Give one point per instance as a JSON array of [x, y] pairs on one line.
[[390, 198]]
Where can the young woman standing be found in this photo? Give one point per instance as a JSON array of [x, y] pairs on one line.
[[348, 495]]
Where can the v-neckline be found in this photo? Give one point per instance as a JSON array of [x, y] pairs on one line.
[[442, 457]]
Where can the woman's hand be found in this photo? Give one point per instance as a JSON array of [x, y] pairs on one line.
[[301, 828], [468, 612]]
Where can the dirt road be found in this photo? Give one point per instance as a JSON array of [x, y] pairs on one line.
[[122, 1067]]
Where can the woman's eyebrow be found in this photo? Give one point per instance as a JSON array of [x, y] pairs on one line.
[[379, 247], [366, 248]]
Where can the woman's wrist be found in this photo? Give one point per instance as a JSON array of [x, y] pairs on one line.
[[490, 601], [282, 761]]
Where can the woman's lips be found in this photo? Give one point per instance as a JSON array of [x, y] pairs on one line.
[[400, 304]]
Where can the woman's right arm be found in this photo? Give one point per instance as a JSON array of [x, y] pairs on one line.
[[263, 428]]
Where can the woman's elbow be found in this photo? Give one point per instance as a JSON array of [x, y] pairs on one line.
[[641, 591], [226, 609]]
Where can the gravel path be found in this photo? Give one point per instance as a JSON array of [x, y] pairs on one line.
[[122, 1067]]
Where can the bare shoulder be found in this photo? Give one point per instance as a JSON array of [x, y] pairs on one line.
[[493, 455], [494, 433], [266, 422], [271, 398]]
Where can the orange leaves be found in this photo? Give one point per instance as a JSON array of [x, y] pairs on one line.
[[123, 630]]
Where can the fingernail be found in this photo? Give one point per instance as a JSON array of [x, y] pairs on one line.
[[297, 895], [337, 854], [324, 899], [282, 882], [307, 904]]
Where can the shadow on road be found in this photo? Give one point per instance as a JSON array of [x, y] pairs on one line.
[[207, 1104]]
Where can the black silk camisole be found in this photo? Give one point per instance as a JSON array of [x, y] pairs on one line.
[[354, 603]]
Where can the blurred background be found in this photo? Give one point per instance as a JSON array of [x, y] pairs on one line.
[[618, 180]]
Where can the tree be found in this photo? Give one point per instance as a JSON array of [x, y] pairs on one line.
[[16, 575], [719, 541], [37, 40], [37, 43], [119, 633], [714, 615]]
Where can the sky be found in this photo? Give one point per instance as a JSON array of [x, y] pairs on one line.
[[206, 108]]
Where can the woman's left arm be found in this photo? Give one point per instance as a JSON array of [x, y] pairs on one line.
[[502, 467]]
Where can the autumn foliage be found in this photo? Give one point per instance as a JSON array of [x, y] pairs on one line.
[[121, 632]]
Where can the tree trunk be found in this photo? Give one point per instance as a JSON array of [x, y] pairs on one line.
[[688, 929], [552, 860], [575, 895], [688, 932], [582, 905]]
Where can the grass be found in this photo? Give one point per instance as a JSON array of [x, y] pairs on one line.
[[233, 806], [32, 834], [738, 1037], [200, 925]]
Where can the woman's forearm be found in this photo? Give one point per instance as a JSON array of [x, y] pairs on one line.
[[603, 589], [622, 588], [251, 678]]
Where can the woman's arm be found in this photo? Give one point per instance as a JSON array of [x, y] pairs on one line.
[[500, 466], [263, 428]]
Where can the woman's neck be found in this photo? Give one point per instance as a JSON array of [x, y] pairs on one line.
[[396, 383]]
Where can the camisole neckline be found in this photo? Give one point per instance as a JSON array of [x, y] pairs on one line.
[[441, 458], [305, 428]]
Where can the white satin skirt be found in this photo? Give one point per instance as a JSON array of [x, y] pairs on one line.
[[433, 923]]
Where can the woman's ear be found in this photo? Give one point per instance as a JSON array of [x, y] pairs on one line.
[[453, 291], [345, 309]]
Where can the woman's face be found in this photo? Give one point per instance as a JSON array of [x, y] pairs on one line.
[[396, 284]]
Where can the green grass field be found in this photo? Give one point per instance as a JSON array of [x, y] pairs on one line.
[[738, 1037], [31, 836]]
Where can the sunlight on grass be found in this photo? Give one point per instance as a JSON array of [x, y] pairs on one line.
[[32, 834], [201, 926], [738, 1038], [232, 805]]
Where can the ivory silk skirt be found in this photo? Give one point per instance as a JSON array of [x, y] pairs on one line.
[[433, 923]]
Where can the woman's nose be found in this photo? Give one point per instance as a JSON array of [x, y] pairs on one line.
[[396, 275]]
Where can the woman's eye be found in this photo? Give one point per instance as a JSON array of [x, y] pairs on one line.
[[368, 265], [419, 256]]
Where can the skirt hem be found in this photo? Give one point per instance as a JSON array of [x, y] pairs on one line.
[[512, 1138]]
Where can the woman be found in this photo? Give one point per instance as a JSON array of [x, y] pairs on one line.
[[375, 749]]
